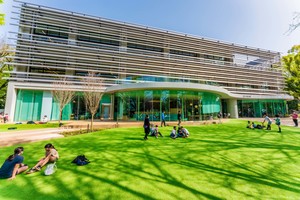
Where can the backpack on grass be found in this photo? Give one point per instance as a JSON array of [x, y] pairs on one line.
[[81, 160], [50, 169]]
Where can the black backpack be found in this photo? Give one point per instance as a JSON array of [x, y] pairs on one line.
[[81, 160]]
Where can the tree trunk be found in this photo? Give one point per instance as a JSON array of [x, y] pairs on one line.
[[60, 117], [92, 122]]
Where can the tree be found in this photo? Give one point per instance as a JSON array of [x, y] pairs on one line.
[[93, 92], [291, 71], [295, 24], [62, 94], [2, 16], [6, 53]]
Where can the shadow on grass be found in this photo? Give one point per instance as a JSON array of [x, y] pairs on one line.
[[201, 167]]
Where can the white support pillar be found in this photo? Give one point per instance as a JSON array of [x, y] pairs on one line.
[[46, 104], [232, 108], [112, 107], [10, 103]]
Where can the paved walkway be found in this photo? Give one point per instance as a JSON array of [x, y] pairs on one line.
[[13, 137], [17, 137]]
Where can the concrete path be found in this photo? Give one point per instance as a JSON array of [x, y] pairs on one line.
[[10, 138]]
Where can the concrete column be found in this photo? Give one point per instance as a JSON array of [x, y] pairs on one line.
[[232, 108], [10, 104], [46, 104], [112, 99]]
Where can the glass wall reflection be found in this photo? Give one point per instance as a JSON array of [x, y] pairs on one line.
[[194, 106]]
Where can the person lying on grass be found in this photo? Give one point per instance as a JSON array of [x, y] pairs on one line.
[[51, 156], [13, 165]]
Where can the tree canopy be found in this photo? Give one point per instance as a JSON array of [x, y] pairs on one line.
[[93, 92], [291, 67], [2, 16], [62, 94], [5, 57], [295, 23]]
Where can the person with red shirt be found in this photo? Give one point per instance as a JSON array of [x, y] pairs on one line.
[[295, 118]]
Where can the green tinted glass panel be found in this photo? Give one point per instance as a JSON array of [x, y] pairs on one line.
[[66, 113], [106, 98], [256, 108], [134, 105], [28, 105]]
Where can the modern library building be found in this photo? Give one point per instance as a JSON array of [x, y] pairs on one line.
[[143, 70]]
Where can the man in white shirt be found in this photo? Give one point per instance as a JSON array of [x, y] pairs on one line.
[[267, 119]]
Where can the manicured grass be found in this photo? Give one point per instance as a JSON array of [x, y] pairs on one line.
[[4, 127], [222, 161]]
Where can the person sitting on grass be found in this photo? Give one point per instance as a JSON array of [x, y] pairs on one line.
[[253, 125], [44, 120], [173, 133], [13, 165], [185, 132], [248, 125], [179, 132], [51, 156], [152, 130], [156, 132]]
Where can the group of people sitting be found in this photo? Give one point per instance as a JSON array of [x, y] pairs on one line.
[[175, 133], [268, 120], [14, 165], [180, 132]]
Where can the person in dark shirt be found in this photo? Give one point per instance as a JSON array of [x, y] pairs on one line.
[[146, 127], [163, 119], [13, 165], [179, 117]]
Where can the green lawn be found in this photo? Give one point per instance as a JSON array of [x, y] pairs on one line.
[[222, 161], [4, 127]]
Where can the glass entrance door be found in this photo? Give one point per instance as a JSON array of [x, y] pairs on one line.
[[105, 111]]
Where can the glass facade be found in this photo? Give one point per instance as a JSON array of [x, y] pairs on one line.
[[79, 111], [194, 105], [256, 108], [28, 105], [134, 105]]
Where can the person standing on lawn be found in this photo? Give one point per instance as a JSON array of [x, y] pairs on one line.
[[179, 118], [146, 127], [295, 118], [277, 122], [163, 119], [267, 119]]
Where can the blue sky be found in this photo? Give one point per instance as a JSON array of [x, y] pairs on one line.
[[254, 23]]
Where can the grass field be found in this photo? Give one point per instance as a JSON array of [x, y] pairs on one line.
[[4, 127], [221, 161]]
